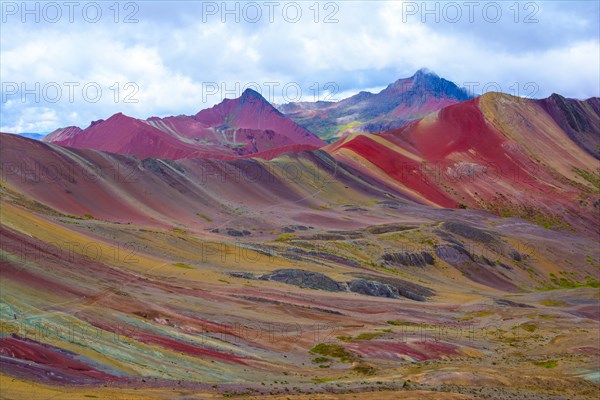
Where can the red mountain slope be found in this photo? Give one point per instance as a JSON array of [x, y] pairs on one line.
[[236, 127], [252, 111], [496, 152]]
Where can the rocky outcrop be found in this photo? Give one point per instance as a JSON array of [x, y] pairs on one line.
[[404, 288], [408, 259], [312, 255], [454, 255], [387, 228], [244, 275], [469, 232], [294, 228], [366, 284], [510, 303], [303, 278], [373, 288], [516, 256], [232, 232]]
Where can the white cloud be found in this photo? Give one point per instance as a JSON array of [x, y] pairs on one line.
[[33, 120]]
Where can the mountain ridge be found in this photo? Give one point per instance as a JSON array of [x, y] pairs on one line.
[[235, 127], [400, 102]]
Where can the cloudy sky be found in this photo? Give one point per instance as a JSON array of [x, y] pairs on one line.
[[64, 64]]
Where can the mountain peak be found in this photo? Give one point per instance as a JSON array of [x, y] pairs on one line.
[[252, 111], [425, 72], [427, 81], [63, 133], [251, 93], [422, 76], [119, 116], [401, 101]]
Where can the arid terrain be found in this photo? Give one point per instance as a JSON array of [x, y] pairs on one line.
[[453, 258]]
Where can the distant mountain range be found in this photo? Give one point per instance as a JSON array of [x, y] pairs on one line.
[[36, 136], [512, 156], [496, 152], [399, 103], [250, 125]]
